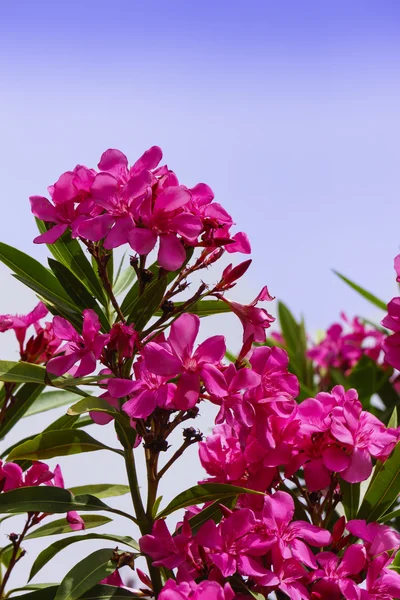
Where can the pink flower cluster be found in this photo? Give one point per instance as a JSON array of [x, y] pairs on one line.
[[342, 349], [324, 435], [12, 477], [41, 346], [391, 344], [139, 205], [271, 551]]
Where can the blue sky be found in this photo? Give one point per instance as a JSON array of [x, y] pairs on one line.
[[288, 110]]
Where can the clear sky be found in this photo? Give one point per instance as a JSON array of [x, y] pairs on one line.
[[288, 110]]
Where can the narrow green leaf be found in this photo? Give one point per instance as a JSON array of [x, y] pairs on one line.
[[70, 254], [52, 500], [350, 498], [125, 279], [212, 511], [32, 587], [78, 293], [147, 304], [49, 400], [53, 549], [61, 526], [23, 400], [383, 489], [86, 574], [206, 492], [364, 293], [23, 372], [58, 443], [101, 490], [204, 308], [25, 266], [98, 592]]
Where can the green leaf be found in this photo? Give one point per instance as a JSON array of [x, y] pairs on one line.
[[48, 401], [383, 489], [101, 490], [350, 498], [364, 293], [78, 293], [23, 372], [23, 400], [212, 511], [27, 267], [69, 252], [296, 345], [98, 592], [31, 586], [124, 280], [61, 526], [204, 308], [147, 304], [206, 492], [58, 443], [86, 574], [53, 549]]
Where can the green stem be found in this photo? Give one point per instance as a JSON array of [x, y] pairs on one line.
[[145, 522], [14, 557]]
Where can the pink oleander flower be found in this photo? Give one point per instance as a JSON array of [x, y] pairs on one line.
[[291, 573], [391, 344], [124, 340], [336, 435], [205, 590], [21, 323], [73, 187], [336, 575], [221, 455], [12, 476], [116, 190], [381, 583], [85, 349], [377, 538], [176, 357], [234, 545], [342, 350], [165, 550], [397, 267], [254, 320], [102, 418], [113, 579], [164, 218], [146, 392], [271, 364], [290, 535]]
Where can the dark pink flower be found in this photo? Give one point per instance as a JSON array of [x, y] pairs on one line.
[[221, 455], [233, 545], [291, 535], [124, 340], [377, 538], [73, 187], [335, 575], [145, 393], [163, 218], [176, 357], [85, 349], [205, 590], [254, 320], [165, 550], [21, 323], [391, 344]]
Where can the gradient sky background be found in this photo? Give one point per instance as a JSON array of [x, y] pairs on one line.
[[288, 110]]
